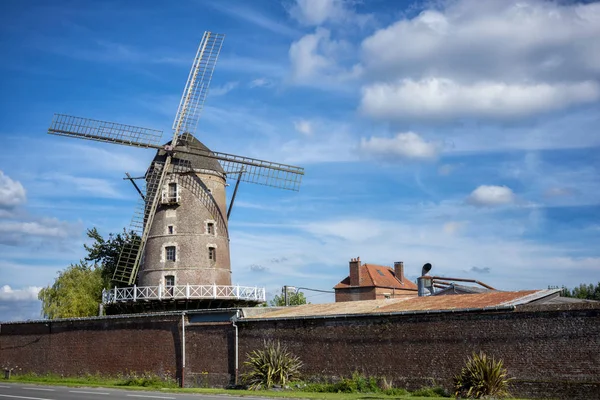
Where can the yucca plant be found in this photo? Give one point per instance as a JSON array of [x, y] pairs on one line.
[[272, 365], [482, 376]]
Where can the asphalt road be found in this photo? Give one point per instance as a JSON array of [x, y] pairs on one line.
[[38, 392]]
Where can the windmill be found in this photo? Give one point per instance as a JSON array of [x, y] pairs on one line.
[[180, 226]]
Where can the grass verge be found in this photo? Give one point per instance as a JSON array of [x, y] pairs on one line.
[[126, 383]]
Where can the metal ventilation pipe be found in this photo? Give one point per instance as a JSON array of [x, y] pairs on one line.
[[425, 282], [425, 285]]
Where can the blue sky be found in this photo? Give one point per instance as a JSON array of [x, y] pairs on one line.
[[461, 133]]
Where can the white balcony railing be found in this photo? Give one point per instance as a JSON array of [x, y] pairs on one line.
[[183, 292]]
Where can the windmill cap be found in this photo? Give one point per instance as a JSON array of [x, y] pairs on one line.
[[198, 161]]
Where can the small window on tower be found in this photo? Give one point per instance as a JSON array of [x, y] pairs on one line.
[[210, 228], [170, 253], [169, 283], [212, 254], [170, 229], [172, 192]]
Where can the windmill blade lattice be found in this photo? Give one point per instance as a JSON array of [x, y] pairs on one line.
[[104, 131], [282, 176], [130, 256], [196, 88], [194, 184]]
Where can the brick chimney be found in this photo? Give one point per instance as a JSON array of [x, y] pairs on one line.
[[354, 273], [399, 270]]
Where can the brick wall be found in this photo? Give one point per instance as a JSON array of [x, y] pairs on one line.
[[550, 349], [105, 346], [553, 350]]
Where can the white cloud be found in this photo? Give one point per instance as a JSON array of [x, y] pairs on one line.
[[224, 89], [491, 40], [9, 294], [77, 185], [251, 16], [51, 230], [306, 60], [480, 270], [47, 228], [12, 193], [319, 250], [559, 192], [316, 60], [260, 82], [303, 126], [447, 169], [404, 146], [454, 227], [319, 12], [486, 195], [445, 98]]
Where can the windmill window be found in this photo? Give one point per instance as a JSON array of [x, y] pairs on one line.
[[170, 229], [172, 191], [171, 253], [169, 283], [212, 254], [210, 228]]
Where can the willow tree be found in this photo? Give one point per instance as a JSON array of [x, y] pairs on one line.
[[76, 292]]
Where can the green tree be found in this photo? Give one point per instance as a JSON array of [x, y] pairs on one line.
[[76, 292], [583, 291], [106, 252], [294, 299]]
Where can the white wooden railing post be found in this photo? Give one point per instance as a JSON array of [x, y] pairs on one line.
[[161, 292]]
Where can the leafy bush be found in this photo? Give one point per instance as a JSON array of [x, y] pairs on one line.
[[273, 365], [435, 391], [147, 380], [482, 376], [357, 383], [395, 392]]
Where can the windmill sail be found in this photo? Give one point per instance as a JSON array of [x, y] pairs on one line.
[[129, 258], [186, 121], [104, 131], [196, 88]]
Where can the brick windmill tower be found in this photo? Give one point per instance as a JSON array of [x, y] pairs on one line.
[[179, 254]]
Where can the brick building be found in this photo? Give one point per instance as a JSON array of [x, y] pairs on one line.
[[371, 282]]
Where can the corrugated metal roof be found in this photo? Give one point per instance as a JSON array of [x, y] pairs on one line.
[[410, 303]]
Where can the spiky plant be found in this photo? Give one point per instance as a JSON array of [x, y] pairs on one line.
[[272, 365], [482, 376]]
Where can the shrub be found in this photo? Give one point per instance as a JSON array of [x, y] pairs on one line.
[[435, 391], [273, 365], [481, 376], [146, 380], [395, 392]]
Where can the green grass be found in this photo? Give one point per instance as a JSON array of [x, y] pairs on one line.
[[129, 384]]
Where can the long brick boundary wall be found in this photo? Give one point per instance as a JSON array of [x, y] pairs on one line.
[[551, 350], [107, 346]]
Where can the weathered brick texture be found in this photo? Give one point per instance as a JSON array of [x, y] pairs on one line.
[[105, 346], [551, 350]]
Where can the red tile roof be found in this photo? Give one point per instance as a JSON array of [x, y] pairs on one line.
[[371, 275], [409, 304]]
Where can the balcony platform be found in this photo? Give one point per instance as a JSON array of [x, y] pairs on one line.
[[139, 299]]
